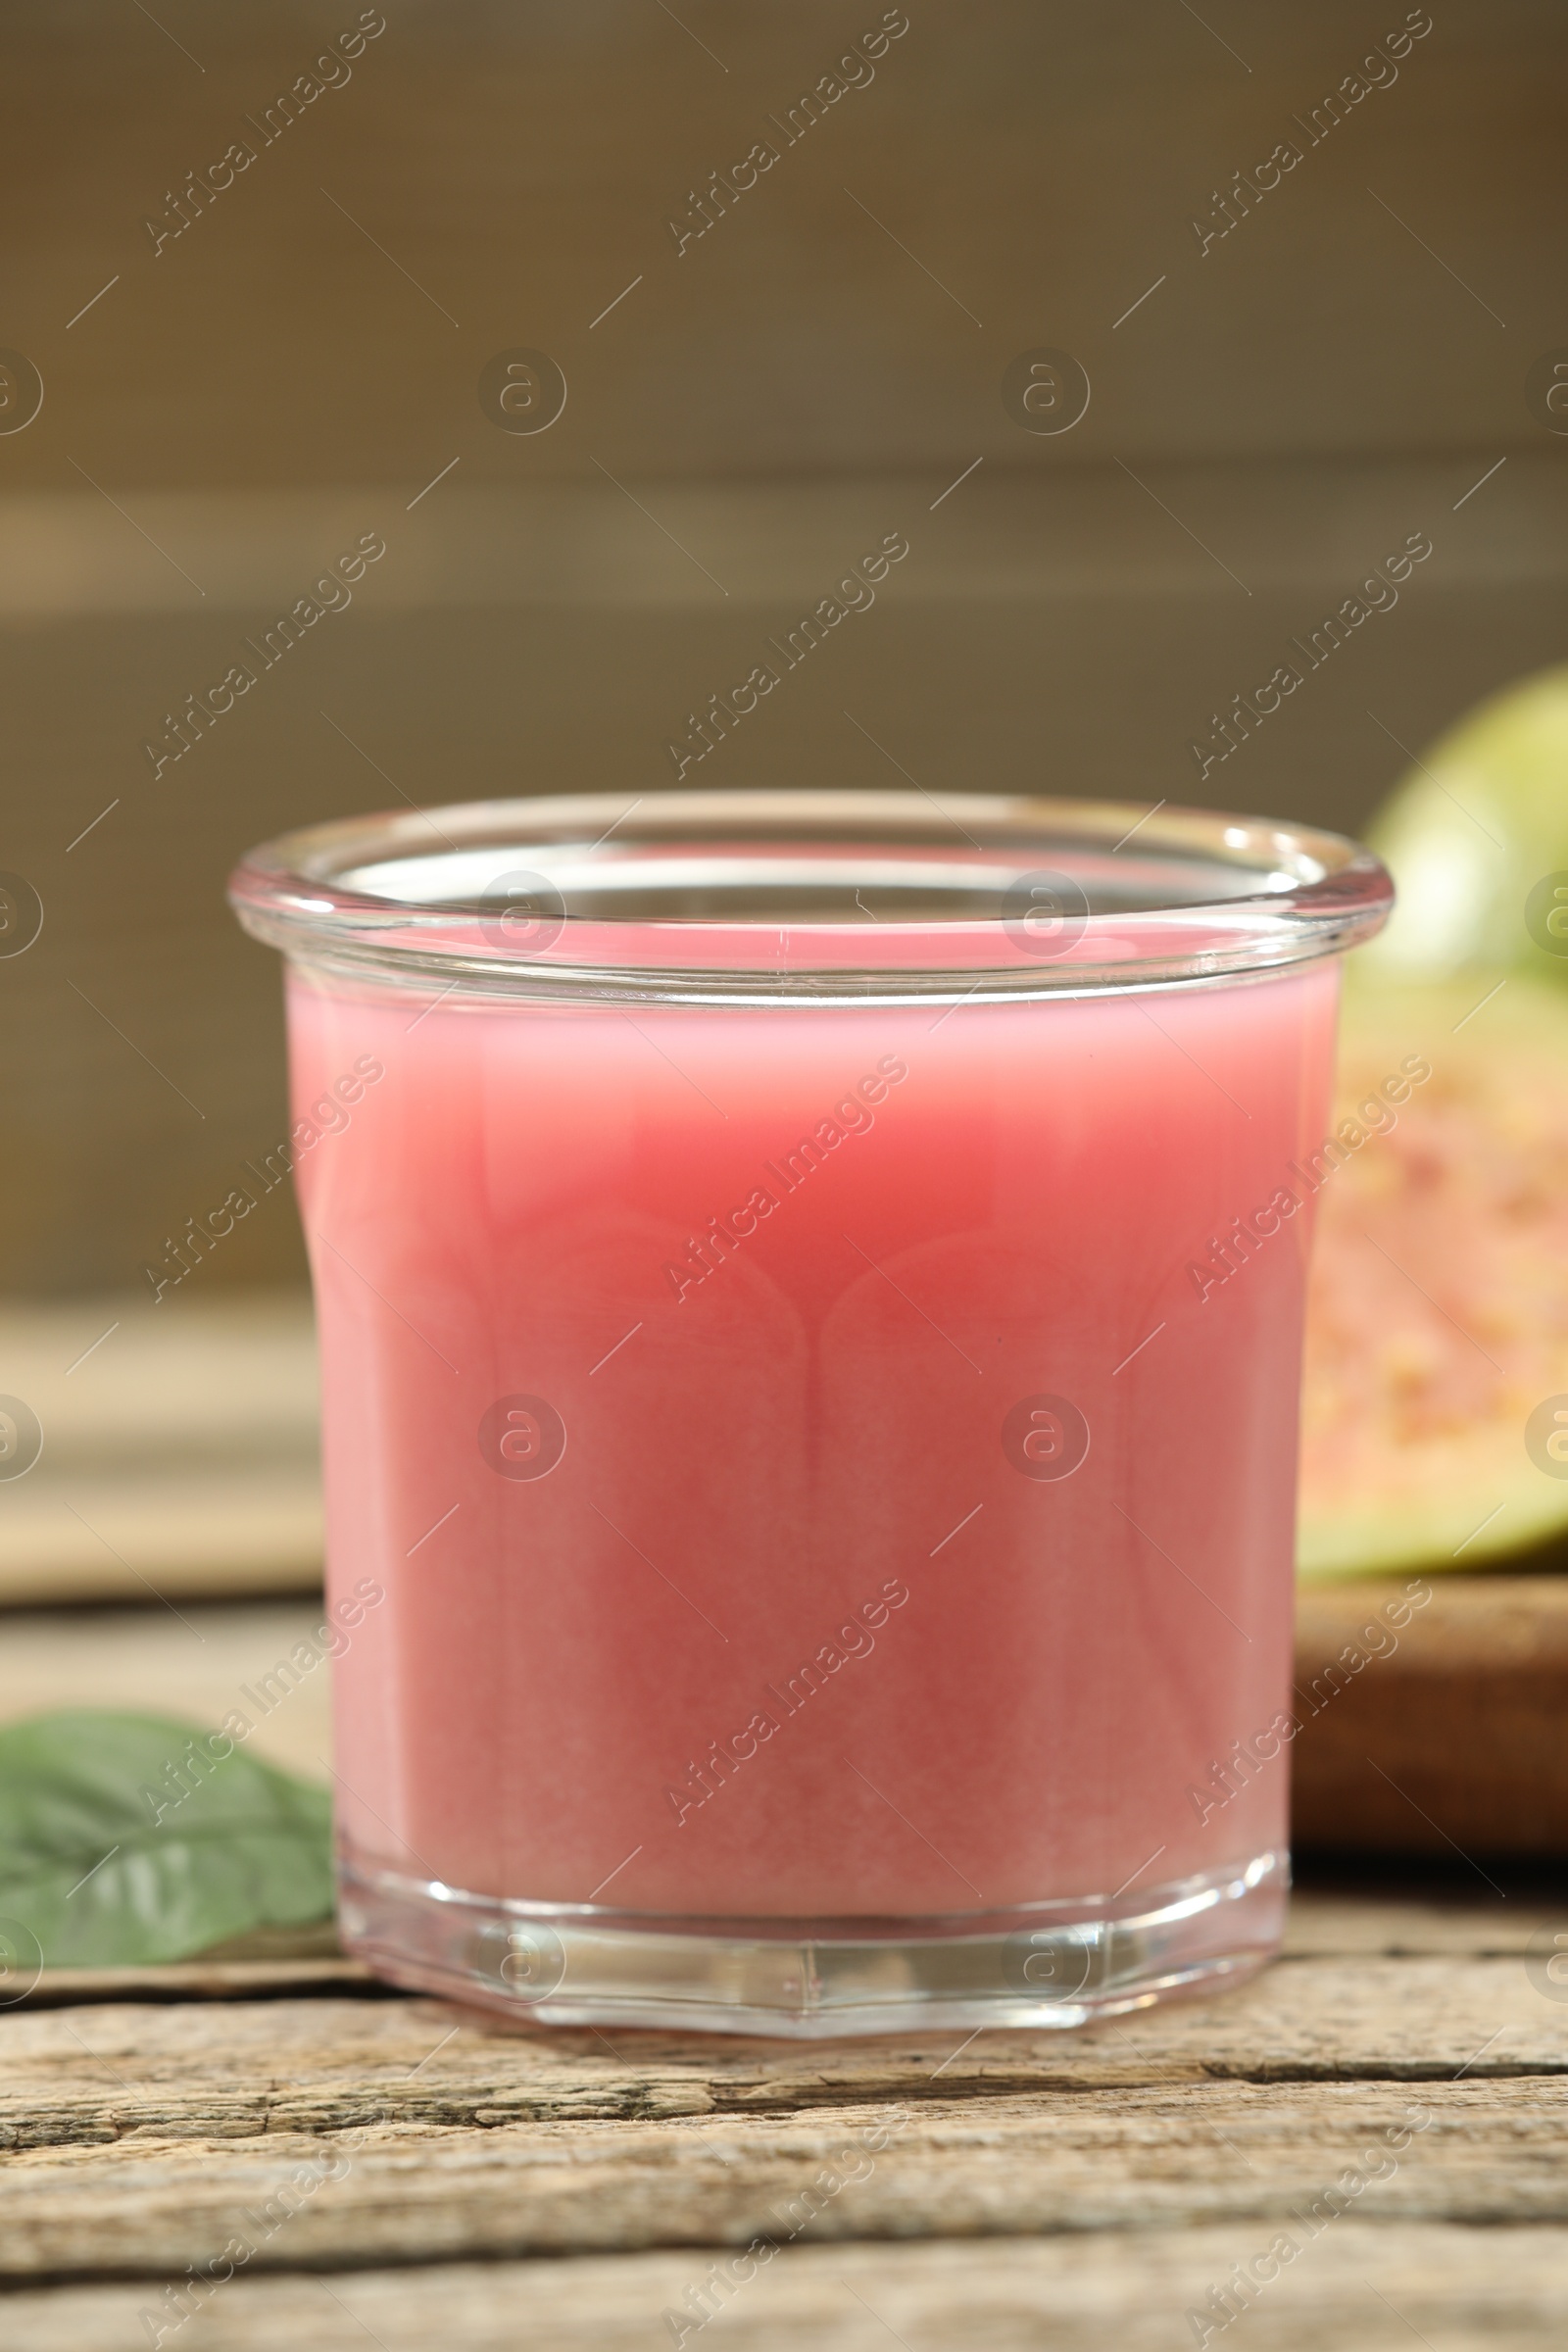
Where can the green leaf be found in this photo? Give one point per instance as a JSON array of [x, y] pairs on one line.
[[124, 1839]]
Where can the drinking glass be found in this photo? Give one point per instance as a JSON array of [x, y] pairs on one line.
[[809, 1290]]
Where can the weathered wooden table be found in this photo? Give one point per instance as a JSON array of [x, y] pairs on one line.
[[1373, 2131], [1390, 2098]]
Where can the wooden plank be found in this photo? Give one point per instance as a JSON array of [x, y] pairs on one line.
[[1151, 2155], [213, 1978], [145, 2205], [140, 2136], [527, 175], [1402, 1921], [1451, 1740], [179, 1450], [1361, 2287], [1019, 534], [193, 1665], [187, 1531], [331, 2064]]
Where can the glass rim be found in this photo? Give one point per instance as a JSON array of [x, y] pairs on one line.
[[758, 895]]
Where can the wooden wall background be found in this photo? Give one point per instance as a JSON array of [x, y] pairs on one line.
[[234, 410]]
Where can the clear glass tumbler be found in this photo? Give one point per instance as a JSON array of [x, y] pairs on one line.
[[810, 1293]]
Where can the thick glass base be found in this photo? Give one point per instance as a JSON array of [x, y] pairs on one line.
[[1042, 1963]]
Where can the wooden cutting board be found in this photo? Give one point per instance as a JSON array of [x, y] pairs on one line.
[[1449, 1737]]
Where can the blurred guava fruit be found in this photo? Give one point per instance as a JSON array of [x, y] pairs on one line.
[[1476, 838], [1436, 1353]]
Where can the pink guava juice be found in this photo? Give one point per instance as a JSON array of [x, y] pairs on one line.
[[820, 1440], [799, 1622]]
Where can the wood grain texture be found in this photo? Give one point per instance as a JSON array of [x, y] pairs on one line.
[[1044, 165], [247, 2069], [141, 2137], [399, 2170], [1488, 2153], [1363, 2287]]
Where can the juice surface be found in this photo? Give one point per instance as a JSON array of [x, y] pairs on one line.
[[898, 1526]]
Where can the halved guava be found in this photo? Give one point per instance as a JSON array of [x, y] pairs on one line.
[[1438, 1311], [1476, 838]]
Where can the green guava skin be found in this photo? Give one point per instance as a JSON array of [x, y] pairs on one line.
[[1478, 826]]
